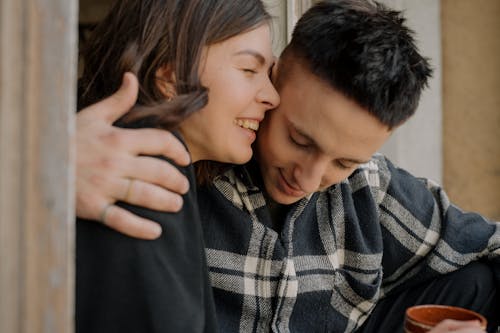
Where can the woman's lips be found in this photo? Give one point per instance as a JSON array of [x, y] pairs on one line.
[[249, 126]]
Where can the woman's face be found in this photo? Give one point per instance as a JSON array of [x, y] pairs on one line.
[[236, 73]]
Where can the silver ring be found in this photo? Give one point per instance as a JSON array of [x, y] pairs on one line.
[[104, 213]]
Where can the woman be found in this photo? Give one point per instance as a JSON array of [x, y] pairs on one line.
[[203, 70]]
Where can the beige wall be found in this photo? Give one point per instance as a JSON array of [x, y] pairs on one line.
[[471, 100], [417, 144]]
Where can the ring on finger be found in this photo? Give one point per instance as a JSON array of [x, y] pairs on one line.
[[128, 193], [104, 213]]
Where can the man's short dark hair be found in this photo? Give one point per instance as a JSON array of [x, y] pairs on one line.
[[365, 51]]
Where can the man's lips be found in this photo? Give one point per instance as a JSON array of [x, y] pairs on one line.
[[288, 189]]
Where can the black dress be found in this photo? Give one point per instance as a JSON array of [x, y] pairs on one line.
[[130, 285]]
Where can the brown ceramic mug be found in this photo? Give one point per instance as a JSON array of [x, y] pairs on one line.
[[422, 318]]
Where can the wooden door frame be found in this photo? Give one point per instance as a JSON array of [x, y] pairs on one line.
[[38, 57]]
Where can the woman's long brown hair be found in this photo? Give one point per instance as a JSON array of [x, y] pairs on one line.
[[142, 36]]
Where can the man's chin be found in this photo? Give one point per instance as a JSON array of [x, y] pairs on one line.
[[281, 198], [276, 189]]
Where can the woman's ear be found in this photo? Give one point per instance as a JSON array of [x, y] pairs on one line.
[[165, 81]]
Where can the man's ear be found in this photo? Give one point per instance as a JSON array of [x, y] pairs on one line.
[[165, 81]]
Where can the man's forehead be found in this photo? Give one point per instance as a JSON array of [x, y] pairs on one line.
[[291, 67]]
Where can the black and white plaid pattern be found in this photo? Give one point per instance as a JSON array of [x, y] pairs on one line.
[[339, 251]]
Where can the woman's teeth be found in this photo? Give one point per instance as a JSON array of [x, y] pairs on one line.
[[249, 124]]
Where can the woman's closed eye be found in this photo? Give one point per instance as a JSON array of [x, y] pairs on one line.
[[249, 70]]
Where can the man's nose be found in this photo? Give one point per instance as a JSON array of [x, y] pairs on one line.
[[309, 174]]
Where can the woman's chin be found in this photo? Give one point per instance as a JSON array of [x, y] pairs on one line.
[[242, 157]]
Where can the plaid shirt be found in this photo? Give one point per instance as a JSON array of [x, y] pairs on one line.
[[339, 251]]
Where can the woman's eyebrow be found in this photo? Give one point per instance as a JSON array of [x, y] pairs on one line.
[[260, 58]]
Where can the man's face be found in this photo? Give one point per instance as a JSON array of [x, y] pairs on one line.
[[315, 138]]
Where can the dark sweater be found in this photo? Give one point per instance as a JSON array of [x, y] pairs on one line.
[[131, 285]]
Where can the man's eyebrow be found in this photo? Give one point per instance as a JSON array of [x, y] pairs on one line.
[[260, 58]]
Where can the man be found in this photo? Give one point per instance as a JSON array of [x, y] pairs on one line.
[[318, 234]]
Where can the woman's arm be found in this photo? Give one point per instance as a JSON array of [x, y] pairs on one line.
[[108, 158], [125, 284]]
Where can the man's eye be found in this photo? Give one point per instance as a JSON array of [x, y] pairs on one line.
[[298, 144], [342, 166]]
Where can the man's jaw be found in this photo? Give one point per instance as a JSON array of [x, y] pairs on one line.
[[286, 191]]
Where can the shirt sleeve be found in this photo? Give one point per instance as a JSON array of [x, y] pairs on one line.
[[424, 234]]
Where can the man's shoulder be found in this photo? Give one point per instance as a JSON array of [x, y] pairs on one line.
[[373, 173], [377, 163], [372, 177]]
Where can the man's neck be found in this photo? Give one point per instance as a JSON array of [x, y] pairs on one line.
[[278, 213]]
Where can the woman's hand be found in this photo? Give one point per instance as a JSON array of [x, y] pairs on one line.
[[109, 166]]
